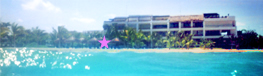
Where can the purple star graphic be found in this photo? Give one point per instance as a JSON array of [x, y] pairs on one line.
[[104, 42]]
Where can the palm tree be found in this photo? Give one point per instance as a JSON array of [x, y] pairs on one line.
[[53, 36], [15, 32], [248, 39], [75, 38], [179, 39], [128, 37], [182, 40], [169, 40], [156, 40], [59, 35], [206, 43], [139, 38], [111, 31], [4, 30], [39, 36], [189, 41], [131, 38]]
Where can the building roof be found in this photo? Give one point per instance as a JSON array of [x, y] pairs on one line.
[[186, 18]]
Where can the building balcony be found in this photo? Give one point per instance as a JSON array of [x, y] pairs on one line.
[[107, 22], [218, 28], [159, 21], [197, 37], [159, 26], [220, 18], [164, 29], [174, 25], [197, 24]]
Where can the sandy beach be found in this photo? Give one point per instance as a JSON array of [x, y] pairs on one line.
[[163, 50]]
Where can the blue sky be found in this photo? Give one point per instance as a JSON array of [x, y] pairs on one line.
[[83, 15]]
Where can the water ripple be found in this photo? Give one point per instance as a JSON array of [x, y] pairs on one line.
[[27, 58]]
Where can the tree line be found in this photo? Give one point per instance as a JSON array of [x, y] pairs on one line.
[[13, 35]]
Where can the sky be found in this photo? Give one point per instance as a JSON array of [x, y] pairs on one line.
[[86, 15]]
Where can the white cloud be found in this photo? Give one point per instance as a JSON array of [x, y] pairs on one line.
[[240, 24], [112, 15], [40, 5], [20, 20], [84, 20]]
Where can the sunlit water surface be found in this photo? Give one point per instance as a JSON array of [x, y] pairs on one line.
[[26, 62]]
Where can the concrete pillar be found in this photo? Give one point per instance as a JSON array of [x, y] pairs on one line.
[[137, 27], [192, 24], [236, 31], [204, 29], [126, 24], [151, 26], [168, 25], [180, 24], [137, 24]]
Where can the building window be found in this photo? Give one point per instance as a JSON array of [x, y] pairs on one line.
[[213, 33], [198, 33], [132, 26], [198, 24], [174, 25], [132, 19], [141, 19], [186, 24], [160, 18], [144, 26], [120, 20], [159, 26]]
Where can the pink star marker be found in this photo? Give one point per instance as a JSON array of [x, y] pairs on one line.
[[104, 42]]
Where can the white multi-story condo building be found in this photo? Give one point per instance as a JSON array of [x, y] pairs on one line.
[[207, 25]]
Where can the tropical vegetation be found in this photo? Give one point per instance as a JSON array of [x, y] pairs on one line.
[[14, 35]]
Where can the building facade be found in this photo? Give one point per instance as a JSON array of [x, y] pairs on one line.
[[207, 25]]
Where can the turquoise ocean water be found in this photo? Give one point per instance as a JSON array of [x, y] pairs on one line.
[[26, 62]]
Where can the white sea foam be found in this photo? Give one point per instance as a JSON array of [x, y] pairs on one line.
[[1, 62], [54, 63], [67, 66], [1, 50], [7, 62], [66, 57], [74, 63], [17, 63], [87, 67], [36, 56], [72, 54], [42, 65], [30, 62], [42, 51]]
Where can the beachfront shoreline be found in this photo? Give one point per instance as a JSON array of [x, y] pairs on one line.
[[162, 50]]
